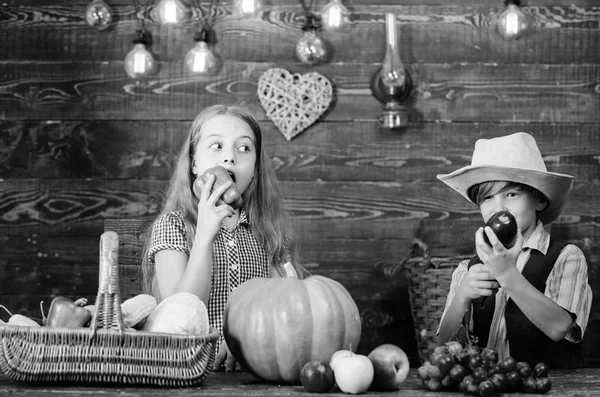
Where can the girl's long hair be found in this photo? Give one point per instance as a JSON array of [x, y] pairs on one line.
[[262, 200]]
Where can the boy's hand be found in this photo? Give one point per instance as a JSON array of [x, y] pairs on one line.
[[477, 283], [210, 215], [500, 261]]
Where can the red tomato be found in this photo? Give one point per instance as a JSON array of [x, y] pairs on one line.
[[317, 377]]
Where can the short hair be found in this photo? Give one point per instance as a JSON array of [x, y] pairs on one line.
[[477, 192]]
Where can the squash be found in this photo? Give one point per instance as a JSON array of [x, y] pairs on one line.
[[182, 313], [273, 326]]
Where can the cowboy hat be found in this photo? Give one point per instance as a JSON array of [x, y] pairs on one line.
[[514, 158]]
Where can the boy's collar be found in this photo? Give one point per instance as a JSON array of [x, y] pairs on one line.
[[539, 239]]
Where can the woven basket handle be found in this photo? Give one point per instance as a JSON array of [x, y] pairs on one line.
[[419, 248], [108, 301]]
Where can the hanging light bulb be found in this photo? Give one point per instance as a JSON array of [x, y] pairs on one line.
[[139, 62], [169, 12], [334, 15], [98, 14], [392, 83], [200, 59], [247, 7], [311, 49], [513, 22]]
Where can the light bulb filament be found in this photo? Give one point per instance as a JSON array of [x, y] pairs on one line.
[[139, 62], [512, 23], [170, 12], [334, 17]]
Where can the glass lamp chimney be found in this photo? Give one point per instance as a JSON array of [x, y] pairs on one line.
[[392, 83]]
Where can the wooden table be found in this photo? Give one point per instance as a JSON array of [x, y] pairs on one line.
[[581, 382]]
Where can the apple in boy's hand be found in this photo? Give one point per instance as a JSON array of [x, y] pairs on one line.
[[353, 374], [390, 365], [337, 355]]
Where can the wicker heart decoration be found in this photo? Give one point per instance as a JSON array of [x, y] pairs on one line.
[[293, 101]]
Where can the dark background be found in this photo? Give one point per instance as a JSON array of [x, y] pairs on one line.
[[80, 142]]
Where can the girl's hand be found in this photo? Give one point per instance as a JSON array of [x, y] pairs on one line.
[[500, 261], [210, 215], [226, 359], [477, 283]]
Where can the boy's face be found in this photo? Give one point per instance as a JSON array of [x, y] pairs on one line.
[[229, 142], [519, 202]]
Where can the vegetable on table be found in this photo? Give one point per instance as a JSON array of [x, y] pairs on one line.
[[274, 326], [66, 313], [19, 319], [137, 309], [182, 313]]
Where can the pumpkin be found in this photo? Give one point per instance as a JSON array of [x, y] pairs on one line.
[[274, 326]]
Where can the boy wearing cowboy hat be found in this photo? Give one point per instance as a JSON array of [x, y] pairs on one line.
[[531, 301]]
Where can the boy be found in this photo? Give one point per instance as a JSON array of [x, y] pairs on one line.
[[531, 301]]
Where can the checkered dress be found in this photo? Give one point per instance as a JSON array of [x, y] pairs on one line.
[[237, 257]]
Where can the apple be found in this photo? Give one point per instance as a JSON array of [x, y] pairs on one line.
[[337, 355], [353, 374], [390, 365]]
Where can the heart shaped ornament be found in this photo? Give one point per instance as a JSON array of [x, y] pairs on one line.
[[293, 101]]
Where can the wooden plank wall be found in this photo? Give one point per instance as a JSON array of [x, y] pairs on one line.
[[80, 142]]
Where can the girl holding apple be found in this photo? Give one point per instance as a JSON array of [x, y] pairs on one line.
[[530, 301], [201, 244]]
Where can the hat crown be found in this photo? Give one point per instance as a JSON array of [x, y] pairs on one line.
[[517, 150]]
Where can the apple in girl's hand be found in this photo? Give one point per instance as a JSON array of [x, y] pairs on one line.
[[390, 365], [353, 374], [337, 355]]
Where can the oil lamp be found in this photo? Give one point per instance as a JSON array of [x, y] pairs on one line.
[[392, 84]]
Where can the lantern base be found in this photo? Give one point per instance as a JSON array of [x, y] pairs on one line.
[[394, 116]]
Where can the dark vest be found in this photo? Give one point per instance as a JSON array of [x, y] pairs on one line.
[[527, 342]]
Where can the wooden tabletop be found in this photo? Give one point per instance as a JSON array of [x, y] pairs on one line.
[[581, 382]]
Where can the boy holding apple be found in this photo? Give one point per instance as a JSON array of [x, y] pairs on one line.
[[530, 301]]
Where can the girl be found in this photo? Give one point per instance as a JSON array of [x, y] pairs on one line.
[[207, 248], [531, 301]]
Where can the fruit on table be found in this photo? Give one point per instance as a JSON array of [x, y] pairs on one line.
[[67, 314], [504, 226], [479, 375], [317, 377], [232, 196], [18, 319], [339, 354], [390, 365], [182, 313], [273, 326], [354, 374]]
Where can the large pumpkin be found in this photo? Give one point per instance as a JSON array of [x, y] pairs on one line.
[[273, 326]]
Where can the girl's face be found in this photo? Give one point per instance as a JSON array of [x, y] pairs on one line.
[[227, 141], [519, 202]]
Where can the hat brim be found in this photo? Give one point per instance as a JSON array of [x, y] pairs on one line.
[[553, 185]]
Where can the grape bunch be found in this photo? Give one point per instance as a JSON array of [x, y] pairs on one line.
[[478, 372]]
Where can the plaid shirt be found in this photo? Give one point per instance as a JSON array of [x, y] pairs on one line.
[[237, 257], [567, 285]]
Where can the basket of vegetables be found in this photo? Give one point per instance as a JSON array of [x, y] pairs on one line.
[[428, 285], [109, 350]]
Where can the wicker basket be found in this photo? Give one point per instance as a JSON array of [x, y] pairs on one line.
[[428, 285], [106, 352]]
